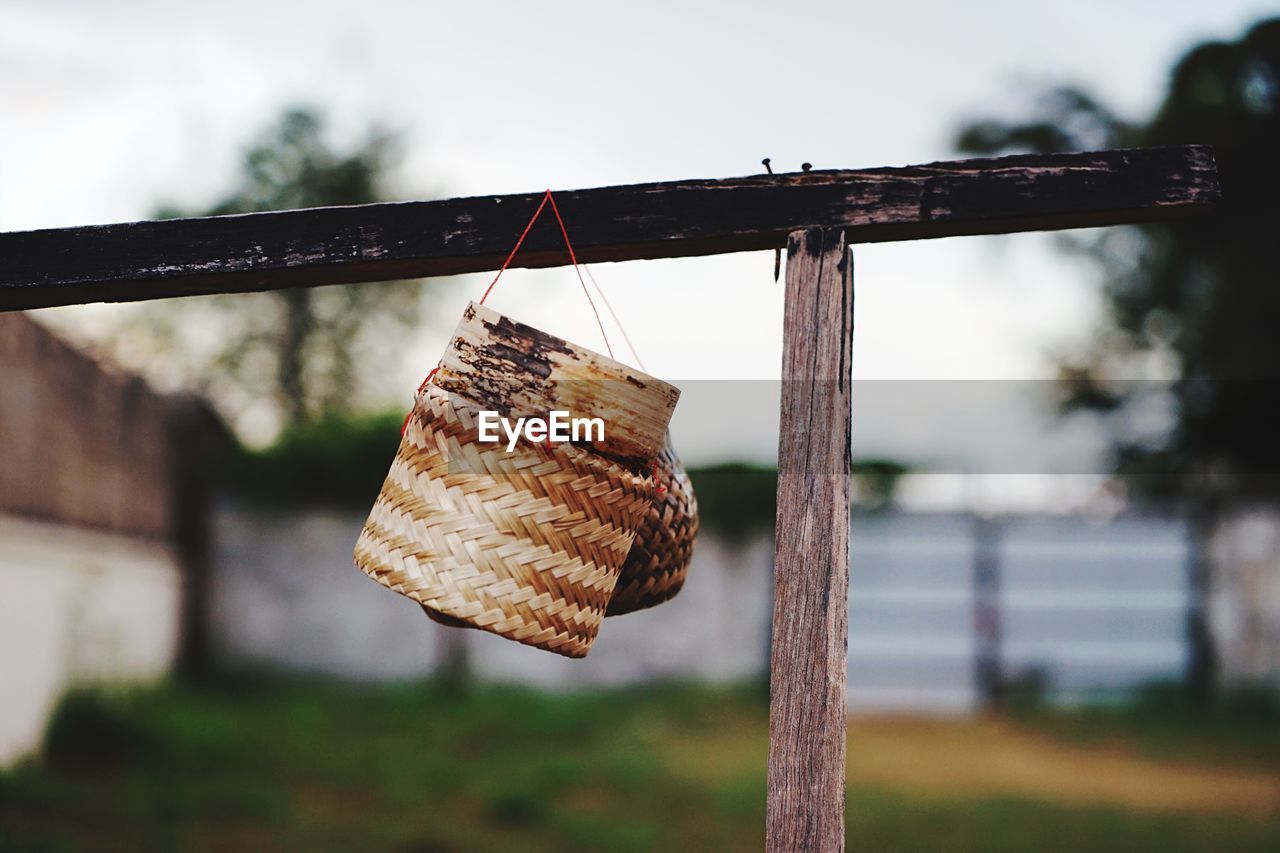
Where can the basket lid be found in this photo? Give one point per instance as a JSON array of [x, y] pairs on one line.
[[497, 364]]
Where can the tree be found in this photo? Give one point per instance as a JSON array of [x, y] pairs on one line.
[[283, 357], [1198, 301]]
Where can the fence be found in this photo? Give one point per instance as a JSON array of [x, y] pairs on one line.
[[947, 610], [938, 603]]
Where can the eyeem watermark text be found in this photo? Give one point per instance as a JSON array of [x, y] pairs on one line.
[[558, 427]]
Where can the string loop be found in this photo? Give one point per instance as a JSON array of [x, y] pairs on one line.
[[573, 259]]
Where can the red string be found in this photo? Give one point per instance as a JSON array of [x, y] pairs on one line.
[[573, 258], [430, 375], [614, 314], [519, 243], [404, 426]]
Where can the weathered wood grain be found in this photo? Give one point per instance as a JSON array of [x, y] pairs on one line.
[[266, 251], [811, 576]]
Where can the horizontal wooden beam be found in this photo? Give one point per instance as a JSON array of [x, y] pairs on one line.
[[378, 242]]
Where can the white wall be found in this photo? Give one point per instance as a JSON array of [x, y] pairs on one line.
[[287, 594], [1093, 607], [77, 607]]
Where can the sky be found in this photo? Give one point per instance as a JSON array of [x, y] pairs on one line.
[[109, 108]]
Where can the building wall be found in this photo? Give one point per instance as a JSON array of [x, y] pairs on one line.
[[80, 444], [1090, 609], [77, 607], [90, 514], [286, 593]]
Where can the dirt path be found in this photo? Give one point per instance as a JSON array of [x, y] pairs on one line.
[[991, 758], [994, 758]]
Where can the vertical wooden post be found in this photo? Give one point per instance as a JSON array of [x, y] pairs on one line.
[[807, 711]]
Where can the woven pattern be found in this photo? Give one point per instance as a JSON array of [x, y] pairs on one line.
[[527, 544], [656, 568]]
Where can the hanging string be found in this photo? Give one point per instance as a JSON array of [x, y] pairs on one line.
[[519, 243], [660, 491], [616, 321], [573, 259], [404, 426]]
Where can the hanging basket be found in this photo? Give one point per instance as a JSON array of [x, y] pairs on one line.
[[528, 544], [656, 568]]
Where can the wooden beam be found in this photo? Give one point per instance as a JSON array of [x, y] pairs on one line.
[[808, 671], [378, 242]]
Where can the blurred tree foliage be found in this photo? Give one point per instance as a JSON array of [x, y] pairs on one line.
[[1195, 302], [736, 499], [341, 460], [333, 460], [289, 356]]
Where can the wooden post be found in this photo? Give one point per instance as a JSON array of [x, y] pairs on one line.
[[807, 711]]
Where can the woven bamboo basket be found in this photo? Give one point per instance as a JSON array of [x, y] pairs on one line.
[[527, 544], [658, 563]]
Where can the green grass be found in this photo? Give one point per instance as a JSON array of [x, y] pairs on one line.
[[299, 764], [1239, 727]]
